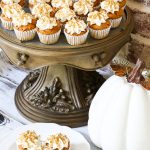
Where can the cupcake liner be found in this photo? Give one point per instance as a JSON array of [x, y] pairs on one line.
[[115, 22], [25, 35], [124, 7], [49, 39], [76, 40], [99, 34], [7, 24]]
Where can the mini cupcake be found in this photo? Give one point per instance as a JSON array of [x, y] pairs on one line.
[[29, 140], [96, 3], [114, 12], [82, 8], [42, 9], [9, 11], [76, 31], [65, 14], [58, 4], [32, 3], [99, 24], [24, 26], [122, 3], [57, 142], [48, 30], [6, 2]]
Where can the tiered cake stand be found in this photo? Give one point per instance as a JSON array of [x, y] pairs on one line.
[[62, 90]]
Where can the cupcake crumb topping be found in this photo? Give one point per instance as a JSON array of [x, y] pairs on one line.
[[12, 10], [46, 23], [110, 6], [61, 3], [75, 26], [22, 19], [65, 14], [97, 17], [58, 141], [83, 7], [41, 9]]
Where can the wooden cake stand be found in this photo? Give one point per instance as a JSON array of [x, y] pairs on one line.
[[62, 90]]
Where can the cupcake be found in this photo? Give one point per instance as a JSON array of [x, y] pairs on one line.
[[99, 24], [96, 3], [24, 26], [114, 12], [76, 31], [57, 142], [8, 12], [6, 2], [122, 3], [32, 3], [65, 14], [29, 140], [82, 8], [48, 30], [58, 4], [42, 9]]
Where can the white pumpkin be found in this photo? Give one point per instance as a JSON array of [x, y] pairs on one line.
[[119, 116]]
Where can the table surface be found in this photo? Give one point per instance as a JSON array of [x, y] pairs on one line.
[[10, 78]]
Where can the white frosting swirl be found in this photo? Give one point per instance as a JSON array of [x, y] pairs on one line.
[[12, 10], [118, 0], [65, 14], [22, 19], [42, 9], [97, 17], [29, 140], [110, 6], [57, 141], [33, 2], [46, 23], [83, 7], [10, 1], [75, 26], [61, 3]]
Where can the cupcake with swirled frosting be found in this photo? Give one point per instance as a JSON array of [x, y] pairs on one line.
[[6, 2], [32, 3], [122, 3], [48, 30], [65, 14], [114, 12], [42, 9], [29, 140], [57, 142], [24, 26], [99, 24], [76, 31], [58, 4], [82, 8], [8, 12]]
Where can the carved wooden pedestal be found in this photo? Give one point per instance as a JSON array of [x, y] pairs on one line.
[[58, 94]]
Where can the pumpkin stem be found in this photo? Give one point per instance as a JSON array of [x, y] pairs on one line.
[[136, 74]]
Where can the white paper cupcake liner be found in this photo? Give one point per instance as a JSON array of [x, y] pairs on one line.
[[49, 39], [76, 40], [99, 34], [25, 35], [7, 24], [115, 22]]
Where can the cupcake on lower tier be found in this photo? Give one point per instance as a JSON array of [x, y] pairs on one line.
[[65, 14], [57, 142], [8, 12], [114, 12], [99, 24], [6, 2], [48, 30], [82, 8], [76, 31], [42, 9], [29, 140], [25, 27], [32, 3]]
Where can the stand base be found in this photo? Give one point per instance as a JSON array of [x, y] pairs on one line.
[[58, 94]]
